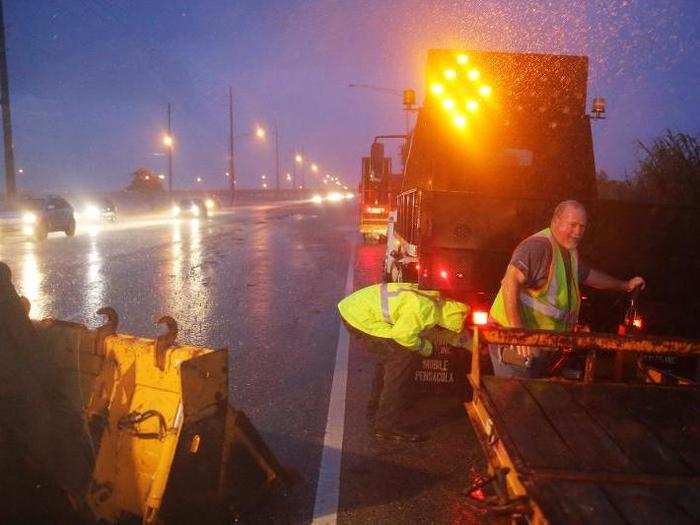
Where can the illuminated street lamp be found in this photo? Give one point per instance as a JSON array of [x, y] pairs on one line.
[[314, 167], [168, 142], [161, 176], [260, 133], [199, 179], [298, 158]]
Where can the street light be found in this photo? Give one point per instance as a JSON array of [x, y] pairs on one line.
[[199, 179], [314, 168], [260, 133]]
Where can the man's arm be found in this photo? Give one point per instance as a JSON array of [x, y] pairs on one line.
[[512, 284], [603, 281]]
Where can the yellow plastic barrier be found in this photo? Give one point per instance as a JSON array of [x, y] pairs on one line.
[[165, 440]]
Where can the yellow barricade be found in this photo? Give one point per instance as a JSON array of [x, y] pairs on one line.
[[165, 440]]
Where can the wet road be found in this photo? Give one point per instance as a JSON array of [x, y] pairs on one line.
[[263, 281]]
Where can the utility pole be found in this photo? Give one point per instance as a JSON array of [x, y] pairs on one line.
[[231, 166], [277, 157], [10, 183], [170, 151]]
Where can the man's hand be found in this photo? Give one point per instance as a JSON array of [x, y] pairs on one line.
[[634, 282]]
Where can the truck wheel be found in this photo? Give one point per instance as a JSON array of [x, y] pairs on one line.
[[396, 274], [41, 232], [70, 230]]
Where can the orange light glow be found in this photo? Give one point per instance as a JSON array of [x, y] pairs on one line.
[[473, 74], [638, 323], [472, 105], [485, 91], [437, 89], [450, 74], [167, 141], [462, 59], [460, 121], [479, 317], [448, 103]]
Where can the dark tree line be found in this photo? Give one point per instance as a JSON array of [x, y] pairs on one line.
[[668, 172]]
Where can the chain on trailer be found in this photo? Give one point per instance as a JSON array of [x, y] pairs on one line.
[[166, 442]]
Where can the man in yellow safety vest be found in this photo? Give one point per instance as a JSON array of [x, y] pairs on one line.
[[399, 324], [540, 290]]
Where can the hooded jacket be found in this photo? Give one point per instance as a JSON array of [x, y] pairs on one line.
[[400, 311]]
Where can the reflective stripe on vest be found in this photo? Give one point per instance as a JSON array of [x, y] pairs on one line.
[[384, 295]]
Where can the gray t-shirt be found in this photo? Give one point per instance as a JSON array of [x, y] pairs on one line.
[[533, 257]]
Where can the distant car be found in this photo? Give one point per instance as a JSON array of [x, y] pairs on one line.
[[192, 208], [212, 203], [36, 218], [98, 210]]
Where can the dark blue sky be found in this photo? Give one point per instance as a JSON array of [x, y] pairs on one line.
[[90, 80]]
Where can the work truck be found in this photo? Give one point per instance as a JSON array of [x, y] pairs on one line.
[[500, 139], [377, 192]]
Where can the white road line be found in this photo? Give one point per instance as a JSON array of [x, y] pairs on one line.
[[328, 488]]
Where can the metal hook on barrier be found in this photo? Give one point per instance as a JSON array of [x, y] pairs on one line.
[[166, 340], [108, 328]]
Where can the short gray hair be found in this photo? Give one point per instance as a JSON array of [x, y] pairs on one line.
[[565, 205]]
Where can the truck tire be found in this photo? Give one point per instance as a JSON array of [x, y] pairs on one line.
[[41, 232], [70, 229], [396, 274]]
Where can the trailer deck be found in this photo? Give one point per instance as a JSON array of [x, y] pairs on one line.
[[586, 452]]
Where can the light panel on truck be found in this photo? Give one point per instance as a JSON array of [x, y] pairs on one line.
[[457, 86], [437, 89], [485, 91], [460, 121]]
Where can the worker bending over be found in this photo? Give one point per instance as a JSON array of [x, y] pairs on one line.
[[400, 324]]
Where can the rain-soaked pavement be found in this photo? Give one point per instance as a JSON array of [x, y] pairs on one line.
[[263, 281]]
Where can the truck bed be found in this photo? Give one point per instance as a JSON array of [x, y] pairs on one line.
[[597, 453]]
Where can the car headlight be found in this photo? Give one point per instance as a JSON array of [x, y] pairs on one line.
[[209, 203], [194, 210], [29, 218], [317, 199], [334, 196], [175, 210], [91, 211]]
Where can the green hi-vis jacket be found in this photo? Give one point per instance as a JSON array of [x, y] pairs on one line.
[[400, 311], [555, 305]]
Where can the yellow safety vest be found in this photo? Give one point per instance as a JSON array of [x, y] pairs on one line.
[[400, 311], [555, 305]]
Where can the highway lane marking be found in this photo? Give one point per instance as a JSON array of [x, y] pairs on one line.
[[328, 487]]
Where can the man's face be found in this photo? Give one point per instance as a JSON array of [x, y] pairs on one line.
[[569, 227]]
